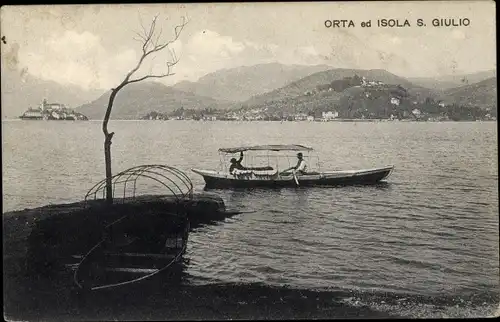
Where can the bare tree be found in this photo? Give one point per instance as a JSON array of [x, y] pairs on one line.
[[151, 43]]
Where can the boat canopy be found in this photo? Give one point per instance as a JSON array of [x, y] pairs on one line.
[[271, 147]]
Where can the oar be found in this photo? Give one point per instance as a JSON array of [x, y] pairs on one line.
[[232, 213], [295, 177]]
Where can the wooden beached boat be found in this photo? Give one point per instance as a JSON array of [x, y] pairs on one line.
[[146, 235], [135, 248], [270, 176]]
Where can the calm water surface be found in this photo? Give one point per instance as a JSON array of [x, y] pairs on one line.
[[432, 230]]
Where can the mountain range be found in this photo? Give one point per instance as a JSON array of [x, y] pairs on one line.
[[240, 83], [443, 83], [311, 82], [22, 90], [137, 99], [246, 86], [481, 94]]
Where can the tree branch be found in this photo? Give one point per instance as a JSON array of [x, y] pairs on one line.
[[150, 76], [150, 44], [157, 40], [140, 36], [168, 73], [142, 25], [147, 37]]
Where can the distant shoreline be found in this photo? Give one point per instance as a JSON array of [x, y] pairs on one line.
[[284, 121]]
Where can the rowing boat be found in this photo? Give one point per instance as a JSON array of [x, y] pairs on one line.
[[271, 176], [134, 248]]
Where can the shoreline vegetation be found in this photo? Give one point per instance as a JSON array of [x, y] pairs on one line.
[[312, 121], [294, 121]]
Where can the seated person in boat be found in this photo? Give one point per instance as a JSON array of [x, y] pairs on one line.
[[236, 164], [300, 167]]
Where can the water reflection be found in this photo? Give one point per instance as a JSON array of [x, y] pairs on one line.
[[302, 197], [383, 185], [265, 199]]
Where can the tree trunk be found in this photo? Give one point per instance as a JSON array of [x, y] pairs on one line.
[[107, 145], [107, 160]]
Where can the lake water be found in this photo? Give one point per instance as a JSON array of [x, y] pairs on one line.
[[429, 235]]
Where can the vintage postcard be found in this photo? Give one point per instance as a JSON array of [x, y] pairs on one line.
[[288, 160]]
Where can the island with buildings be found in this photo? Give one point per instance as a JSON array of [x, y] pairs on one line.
[[52, 111]]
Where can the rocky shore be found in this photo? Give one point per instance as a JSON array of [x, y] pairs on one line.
[[53, 297]]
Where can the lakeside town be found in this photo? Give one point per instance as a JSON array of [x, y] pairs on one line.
[[386, 102], [330, 116]]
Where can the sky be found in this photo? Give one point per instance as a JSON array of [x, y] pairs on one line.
[[93, 46]]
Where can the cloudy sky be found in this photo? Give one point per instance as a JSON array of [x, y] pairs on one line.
[[93, 46]]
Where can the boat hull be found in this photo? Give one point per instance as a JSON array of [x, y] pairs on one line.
[[219, 180], [136, 247]]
